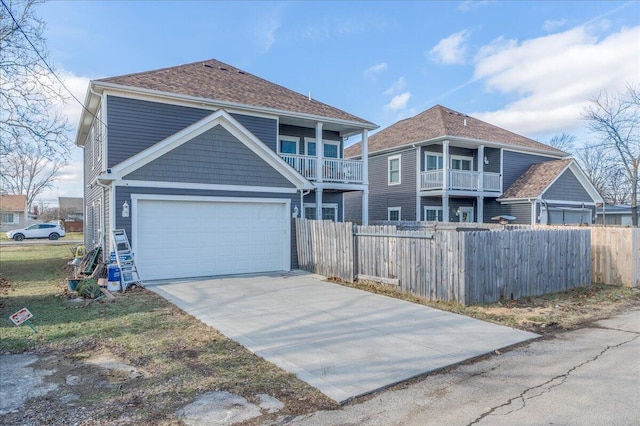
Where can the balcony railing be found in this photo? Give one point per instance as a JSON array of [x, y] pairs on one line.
[[333, 170], [459, 179]]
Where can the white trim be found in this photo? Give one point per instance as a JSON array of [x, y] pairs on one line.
[[157, 197], [225, 120], [389, 160], [469, 210], [394, 209], [288, 139], [436, 208], [570, 203], [203, 186], [333, 206]]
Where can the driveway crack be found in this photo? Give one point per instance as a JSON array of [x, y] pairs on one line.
[[553, 382]]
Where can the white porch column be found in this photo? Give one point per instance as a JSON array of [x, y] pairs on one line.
[[318, 203], [445, 181], [445, 165], [365, 176], [481, 168], [319, 153], [365, 207], [480, 209]]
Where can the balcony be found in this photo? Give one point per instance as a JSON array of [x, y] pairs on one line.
[[333, 169], [459, 180]]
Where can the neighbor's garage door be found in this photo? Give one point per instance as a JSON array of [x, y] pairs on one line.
[[177, 238]]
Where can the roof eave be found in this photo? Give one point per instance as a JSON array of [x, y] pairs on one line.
[[214, 102]]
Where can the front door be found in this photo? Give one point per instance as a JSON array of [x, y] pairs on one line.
[[466, 214]]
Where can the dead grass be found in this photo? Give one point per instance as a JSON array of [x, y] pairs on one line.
[[179, 356], [541, 314]]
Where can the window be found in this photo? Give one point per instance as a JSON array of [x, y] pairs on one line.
[[433, 161], [568, 216], [461, 163], [393, 214], [394, 170], [331, 148], [9, 218], [329, 211], [433, 214], [96, 138], [288, 145]]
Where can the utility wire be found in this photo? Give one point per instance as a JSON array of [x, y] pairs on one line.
[[44, 61]]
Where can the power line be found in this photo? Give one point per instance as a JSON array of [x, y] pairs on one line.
[[44, 61]]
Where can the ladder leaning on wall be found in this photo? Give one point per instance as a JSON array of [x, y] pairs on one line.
[[124, 258]]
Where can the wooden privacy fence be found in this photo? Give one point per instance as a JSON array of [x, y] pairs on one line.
[[464, 267], [615, 256]]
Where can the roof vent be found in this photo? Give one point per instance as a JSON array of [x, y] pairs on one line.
[[465, 122], [223, 69], [208, 66], [241, 72]]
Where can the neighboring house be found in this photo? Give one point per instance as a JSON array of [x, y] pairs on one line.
[[13, 212], [72, 212], [205, 165], [615, 215], [442, 165]]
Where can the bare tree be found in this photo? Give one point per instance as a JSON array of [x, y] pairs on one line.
[[28, 170], [29, 88], [615, 120], [605, 173], [564, 142]]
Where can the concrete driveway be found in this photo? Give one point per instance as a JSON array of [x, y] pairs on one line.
[[343, 341]]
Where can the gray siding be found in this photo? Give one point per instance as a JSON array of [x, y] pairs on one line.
[[567, 188], [124, 194], [454, 203], [353, 206], [135, 125], [493, 156], [214, 157], [308, 132], [382, 195], [516, 163], [265, 129], [522, 211]]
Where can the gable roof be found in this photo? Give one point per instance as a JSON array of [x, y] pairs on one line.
[[537, 178], [440, 121], [13, 203], [217, 118], [217, 81]]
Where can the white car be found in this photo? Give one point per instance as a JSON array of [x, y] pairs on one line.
[[52, 231]]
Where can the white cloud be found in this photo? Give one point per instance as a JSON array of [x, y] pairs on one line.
[[374, 70], [552, 25], [265, 35], [72, 109], [397, 87], [554, 76], [399, 101], [451, 50]]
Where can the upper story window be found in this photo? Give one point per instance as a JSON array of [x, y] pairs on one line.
[[394, 170], [331, 148], [95, 140], [433, 161], [289, 145], [461, 163]]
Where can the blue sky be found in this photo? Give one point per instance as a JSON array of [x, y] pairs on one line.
[[527, 66]]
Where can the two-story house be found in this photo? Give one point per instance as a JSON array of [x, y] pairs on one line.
[[205, 166], [441, 165]]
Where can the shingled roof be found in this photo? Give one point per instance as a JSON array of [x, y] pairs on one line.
[[217, 81], [13, 203], [440, 121], [535, 180]]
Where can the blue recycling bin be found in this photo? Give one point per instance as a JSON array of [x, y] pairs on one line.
[[113, 273]]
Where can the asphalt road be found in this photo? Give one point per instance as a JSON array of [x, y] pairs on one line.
[[589, 376]]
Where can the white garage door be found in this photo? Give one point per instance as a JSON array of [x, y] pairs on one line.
[[185, 238]]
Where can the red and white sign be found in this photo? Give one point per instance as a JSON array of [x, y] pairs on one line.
[[21, 316]]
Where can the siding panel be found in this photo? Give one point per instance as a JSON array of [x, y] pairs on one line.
[[567, 188], [516, 163], [382, 195]]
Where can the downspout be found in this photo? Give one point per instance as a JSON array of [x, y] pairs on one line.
[[546, 208], [102, 219], [302, 194]]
